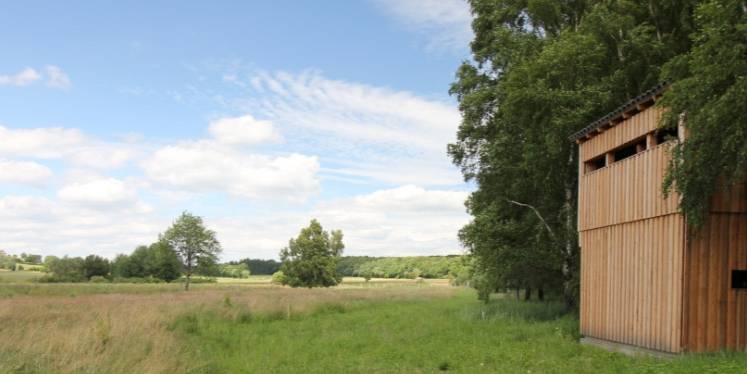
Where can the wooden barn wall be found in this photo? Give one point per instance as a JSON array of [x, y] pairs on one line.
[[630, 129], [716, 314], [631, 282], [625, 191]]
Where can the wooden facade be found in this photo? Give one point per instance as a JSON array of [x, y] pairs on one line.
[[645, 280]]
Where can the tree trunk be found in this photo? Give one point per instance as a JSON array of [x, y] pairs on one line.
[[541, 294], [527, 294], [518, 297], [570, 228]]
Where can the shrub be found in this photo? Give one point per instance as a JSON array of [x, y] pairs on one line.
[[278, 277], [198, 280], [98, 279]]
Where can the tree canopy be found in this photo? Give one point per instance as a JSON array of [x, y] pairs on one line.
[[310, 260], [709, 94], [193, 242], [540, 71]]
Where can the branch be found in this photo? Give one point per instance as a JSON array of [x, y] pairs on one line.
[[552, 234]]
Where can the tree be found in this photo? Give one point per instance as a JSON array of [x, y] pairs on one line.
[[31, 258], [164, 263], [48, 261], [310, 260], [192, 242], [541, 70], [709, 92], [68, 269], [120, 266], [94, 265]]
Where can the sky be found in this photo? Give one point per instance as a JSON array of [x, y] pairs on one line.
[[257, 116]]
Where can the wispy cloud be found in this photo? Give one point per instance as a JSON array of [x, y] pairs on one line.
[[360, 130], [56, 77], [446, 24], [24, 77]]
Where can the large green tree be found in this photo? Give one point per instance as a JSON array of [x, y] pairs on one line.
[[709, 96], [193, 242], [310, 260], [541, 70]]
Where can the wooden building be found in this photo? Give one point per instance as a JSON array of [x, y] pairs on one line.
[[645, 280]]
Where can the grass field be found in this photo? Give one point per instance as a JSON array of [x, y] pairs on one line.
[[384, 327], [23, 276]]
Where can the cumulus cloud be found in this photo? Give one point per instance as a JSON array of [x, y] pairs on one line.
[[204, 166], [243, 130], [402, 221], [24, 77], [64, 143], [24, 172], [103, 192], [407, 220], [44, 143], [446, 23], [55, 227]]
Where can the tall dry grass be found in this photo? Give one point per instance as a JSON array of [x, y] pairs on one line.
[[127, 333]]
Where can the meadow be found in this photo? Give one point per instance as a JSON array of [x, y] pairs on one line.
[[382, 326]]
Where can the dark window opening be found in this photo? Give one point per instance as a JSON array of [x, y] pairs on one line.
[[595, 163], [739, 279], [631, 149], [666, 135]]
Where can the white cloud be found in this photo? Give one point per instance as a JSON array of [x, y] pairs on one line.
[[24, 77], [44, 143], [366, 129], [243, 130], [402, 221], [406, 220], [447, 23], [56, 77], [23, 172], [49, 227], [103, 192], [64, 143], [204, 166]]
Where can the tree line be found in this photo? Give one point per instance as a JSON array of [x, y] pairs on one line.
[[542, 70]]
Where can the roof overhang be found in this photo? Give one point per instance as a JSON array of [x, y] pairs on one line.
[[620, 114]]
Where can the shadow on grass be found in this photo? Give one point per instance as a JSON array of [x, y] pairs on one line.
[[532, 311]]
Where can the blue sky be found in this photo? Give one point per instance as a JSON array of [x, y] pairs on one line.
[[257, 116]]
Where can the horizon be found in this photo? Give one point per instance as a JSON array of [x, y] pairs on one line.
[[119, 117]]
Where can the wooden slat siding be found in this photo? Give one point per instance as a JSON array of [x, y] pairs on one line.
[[626, 191], [629, 282], [716, 316], [636, 126]]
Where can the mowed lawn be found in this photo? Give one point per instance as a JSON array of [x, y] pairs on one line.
[[385, 327]]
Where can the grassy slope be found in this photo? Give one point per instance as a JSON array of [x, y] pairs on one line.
[[419, 336]]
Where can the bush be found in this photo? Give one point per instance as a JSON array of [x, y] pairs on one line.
[[194, 280], [137, 280], [98, 279], [278, 278]]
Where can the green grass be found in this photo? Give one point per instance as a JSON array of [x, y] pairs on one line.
[[455, 334], [22, 276], [20, 283]]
